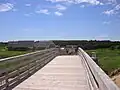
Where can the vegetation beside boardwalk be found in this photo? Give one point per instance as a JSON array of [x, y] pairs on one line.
[[4, 53], [109, 60], [108, 52], [89, 44]]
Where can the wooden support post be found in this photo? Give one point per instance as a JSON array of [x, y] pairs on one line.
[[7, 80], [18, 75], [28, 68]]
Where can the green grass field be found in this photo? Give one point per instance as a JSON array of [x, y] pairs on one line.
[[4, 53], [109, 60]]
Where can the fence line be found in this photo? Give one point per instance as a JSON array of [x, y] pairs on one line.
[[35, 61]]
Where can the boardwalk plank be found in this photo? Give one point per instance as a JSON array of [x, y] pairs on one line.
[[62, 73]]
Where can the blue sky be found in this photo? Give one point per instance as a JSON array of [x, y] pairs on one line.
[[59, 19]]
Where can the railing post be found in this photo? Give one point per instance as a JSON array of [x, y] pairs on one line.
[[35, 65], [28, 68], [18, 74], [7, 81]]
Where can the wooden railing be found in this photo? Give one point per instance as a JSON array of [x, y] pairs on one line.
[[28, 65], [97, 78]]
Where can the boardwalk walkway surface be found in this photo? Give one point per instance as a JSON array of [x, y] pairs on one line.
[[62, 73]]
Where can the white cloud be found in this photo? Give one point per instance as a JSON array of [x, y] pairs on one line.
[[101, 3], [112, 11], [117, 7], [28, 14], [27, 5], [111, 1], [106, 22], [44, 11], [6, 7], [58, 13], [61, 7], [92, 2], [57, 0], [109, 12], [82, 6]]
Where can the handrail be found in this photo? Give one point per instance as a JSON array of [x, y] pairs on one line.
[[10, 58], [34, 61], [97, 77]]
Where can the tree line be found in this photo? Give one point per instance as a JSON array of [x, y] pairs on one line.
[[89, 44], [85, 44]]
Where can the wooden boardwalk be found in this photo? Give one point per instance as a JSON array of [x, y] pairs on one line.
[[62, 73]]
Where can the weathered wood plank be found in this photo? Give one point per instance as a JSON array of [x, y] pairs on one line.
[[62, 73]]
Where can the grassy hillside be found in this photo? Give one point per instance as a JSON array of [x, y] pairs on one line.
[[109, 59]]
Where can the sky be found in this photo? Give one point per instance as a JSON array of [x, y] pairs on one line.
[[59, 19]]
